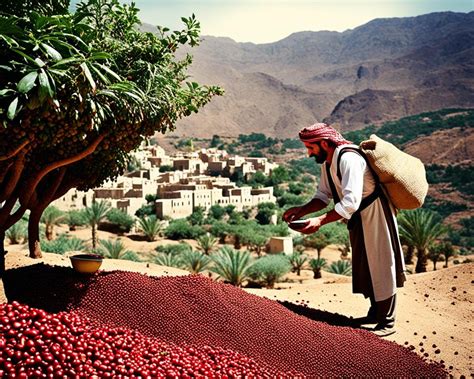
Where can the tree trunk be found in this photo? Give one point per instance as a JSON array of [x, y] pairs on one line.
[[421, 262], [298, 271], [33, 234], [316, 273], [2, 253], [434, 265], [94, 237], [446, 264], [409, 255], [49, 232]]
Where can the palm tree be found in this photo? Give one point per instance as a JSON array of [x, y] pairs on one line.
[[445, 249], [150, 226], [195, 261], [114, 249], [170, 260], [207, 243], [317, 241], [434, 255], [340, 268], [232, 265], [94, 215], [316, 265], [51, 217], [297, 260], [420, 228]]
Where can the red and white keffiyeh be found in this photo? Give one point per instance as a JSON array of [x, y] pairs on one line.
[[321, 131]]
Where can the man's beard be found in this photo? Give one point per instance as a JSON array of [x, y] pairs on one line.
[[321, 157]]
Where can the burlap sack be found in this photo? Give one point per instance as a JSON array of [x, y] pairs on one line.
[[402, 175]]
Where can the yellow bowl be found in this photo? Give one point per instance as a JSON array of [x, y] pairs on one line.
[[86, 263]]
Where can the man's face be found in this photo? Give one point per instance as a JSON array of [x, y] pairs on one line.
[[316, 151]]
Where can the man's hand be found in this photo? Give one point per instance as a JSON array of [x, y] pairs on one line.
[[292, 214], [313, 226]]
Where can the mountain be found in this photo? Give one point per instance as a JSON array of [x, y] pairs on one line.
[[383, 70]]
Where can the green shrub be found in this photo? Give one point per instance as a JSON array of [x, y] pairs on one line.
[[269, 269], [174, 249], [316, 265], [122, 220], [232, 265], [150, 226], [341, 268], [75, 218], [170, 260], [62, 244], [17, 233], [297, 261], [182, 229], [113, 249], [195, 262]]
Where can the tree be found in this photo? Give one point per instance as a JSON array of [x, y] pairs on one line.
[[150, 226], [207, 243], [434, 255], [297, 260], [265, 213], [232, 265], [78, 92], [51, 217], [420, 228], [94, 215], [316, 265], [195, 262], [444, 249], [113, 249], [269, 269], [316, 241]]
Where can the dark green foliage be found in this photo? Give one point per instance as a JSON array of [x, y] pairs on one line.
[[123, 221], [443, 208], [197, 217], [216, 141], [76, 218], [409, 128], [216, 212], [146, 210], [292, 144], [254, 137], [306, 165], [460, 178], [62, 244], [182, 229], [265, 213], [341, 268], [175, 249], [166, 168]]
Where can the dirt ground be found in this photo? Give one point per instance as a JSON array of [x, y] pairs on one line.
[[434, 312]]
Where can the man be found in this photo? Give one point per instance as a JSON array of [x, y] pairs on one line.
[[377, 259]]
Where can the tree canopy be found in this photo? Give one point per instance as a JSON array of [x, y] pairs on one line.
[[79, 91]]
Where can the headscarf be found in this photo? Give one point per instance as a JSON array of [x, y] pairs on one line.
[[321, 131]]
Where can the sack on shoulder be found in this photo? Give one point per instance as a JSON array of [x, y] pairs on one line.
[[402, 175]]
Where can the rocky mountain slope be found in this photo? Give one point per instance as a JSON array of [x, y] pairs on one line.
[[383, 70]]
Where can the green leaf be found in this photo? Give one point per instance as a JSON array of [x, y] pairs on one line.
[[100, 55], [52, 52], [45, 88], [5, 92], [6, 68], [101, 76], [11, 113], [65, 61], [27, 82], [27, 57], [10, 41], [110, 72], [88, 75], [40, 62]]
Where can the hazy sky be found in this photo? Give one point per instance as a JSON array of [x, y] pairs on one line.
[[262, 21]]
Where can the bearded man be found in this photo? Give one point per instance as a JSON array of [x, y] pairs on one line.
[[377, 258]]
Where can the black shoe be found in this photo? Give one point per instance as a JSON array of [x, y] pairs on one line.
[[383, 330], [361, 321]]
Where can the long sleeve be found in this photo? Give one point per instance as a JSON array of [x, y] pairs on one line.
[[352, 167]]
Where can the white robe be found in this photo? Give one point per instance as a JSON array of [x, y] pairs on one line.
[[357, 183]]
